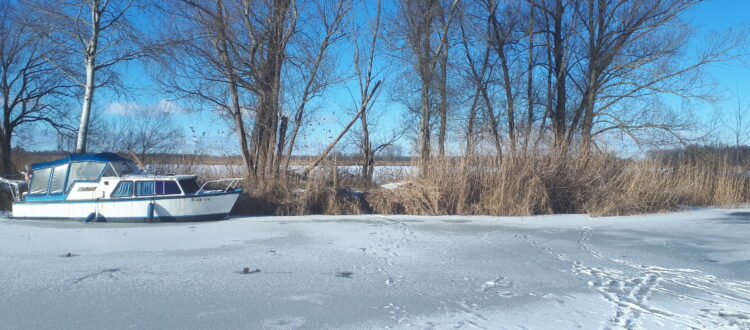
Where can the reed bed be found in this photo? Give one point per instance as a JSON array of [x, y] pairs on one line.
[[528, 185], [512, 186]]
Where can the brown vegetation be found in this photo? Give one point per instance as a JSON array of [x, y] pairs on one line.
[[513, 186]]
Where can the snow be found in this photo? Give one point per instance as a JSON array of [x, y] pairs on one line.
[[677, 270]]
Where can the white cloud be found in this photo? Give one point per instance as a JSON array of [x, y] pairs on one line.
[[135, 109]]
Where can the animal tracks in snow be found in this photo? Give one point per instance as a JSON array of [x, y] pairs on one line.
[[636, 290]]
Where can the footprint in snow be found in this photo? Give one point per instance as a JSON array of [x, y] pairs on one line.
[[345, 273], [247, 270]]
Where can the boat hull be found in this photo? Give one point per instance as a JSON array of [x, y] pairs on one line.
[[203, 207]]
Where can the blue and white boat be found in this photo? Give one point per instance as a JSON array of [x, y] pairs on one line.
[[107, 187]]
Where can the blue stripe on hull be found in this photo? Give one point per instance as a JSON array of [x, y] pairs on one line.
[[118, 200], [186, 218]]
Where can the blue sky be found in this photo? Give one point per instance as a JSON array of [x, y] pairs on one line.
[[732, 81]]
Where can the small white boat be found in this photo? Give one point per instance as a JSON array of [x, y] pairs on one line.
[[107, 187]]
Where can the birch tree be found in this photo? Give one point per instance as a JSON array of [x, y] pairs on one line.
[[101, 34]]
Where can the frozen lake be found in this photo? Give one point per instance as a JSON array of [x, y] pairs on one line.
[[680, 270]]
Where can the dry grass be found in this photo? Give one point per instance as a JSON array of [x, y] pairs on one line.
[[526, 185]]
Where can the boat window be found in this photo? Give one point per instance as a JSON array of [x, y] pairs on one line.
[[189, 186], [40, 181], [58, 179], [144, 188], [167, 188], [123, 189], [85, 171], [109, 171], [124, 168]]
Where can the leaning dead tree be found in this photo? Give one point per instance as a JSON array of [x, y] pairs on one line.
[[364, 106], [100, 34]]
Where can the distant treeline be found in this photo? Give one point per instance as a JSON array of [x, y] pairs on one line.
[[692, 154], [24, 157]]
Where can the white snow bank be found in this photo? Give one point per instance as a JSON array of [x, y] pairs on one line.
[[679, 270]]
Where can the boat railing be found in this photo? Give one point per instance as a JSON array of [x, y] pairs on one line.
[[15, 186], [233, 182]]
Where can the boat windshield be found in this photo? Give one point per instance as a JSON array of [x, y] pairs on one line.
[[189, 186]]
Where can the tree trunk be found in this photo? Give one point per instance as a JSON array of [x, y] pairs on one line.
[[508, 97], [368, 159], [558, 114], [492, 122], [530, 82], [6, 165], [88, 97], [424, 131], [239, 126], [292, 141], [267, 118], [282, 142], [443, 101], [470, 144], [89, 88]]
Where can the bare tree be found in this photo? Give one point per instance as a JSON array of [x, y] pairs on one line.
[[478, 72], [268, 29], [314, 67], [99, 30], [152, 132], [738, 122], [417, 24], [633, 50], [32, 90], [202, 64], [501, 38], [364, 70]]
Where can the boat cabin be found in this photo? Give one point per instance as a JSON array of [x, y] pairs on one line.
[[101, 176]]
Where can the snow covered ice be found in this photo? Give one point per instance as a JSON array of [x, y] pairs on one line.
[[681, 270]]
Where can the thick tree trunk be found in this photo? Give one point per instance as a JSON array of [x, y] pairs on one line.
[[6, 165], [559, 115], [267, 118]]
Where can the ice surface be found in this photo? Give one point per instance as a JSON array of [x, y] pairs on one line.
[[680, 270]]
